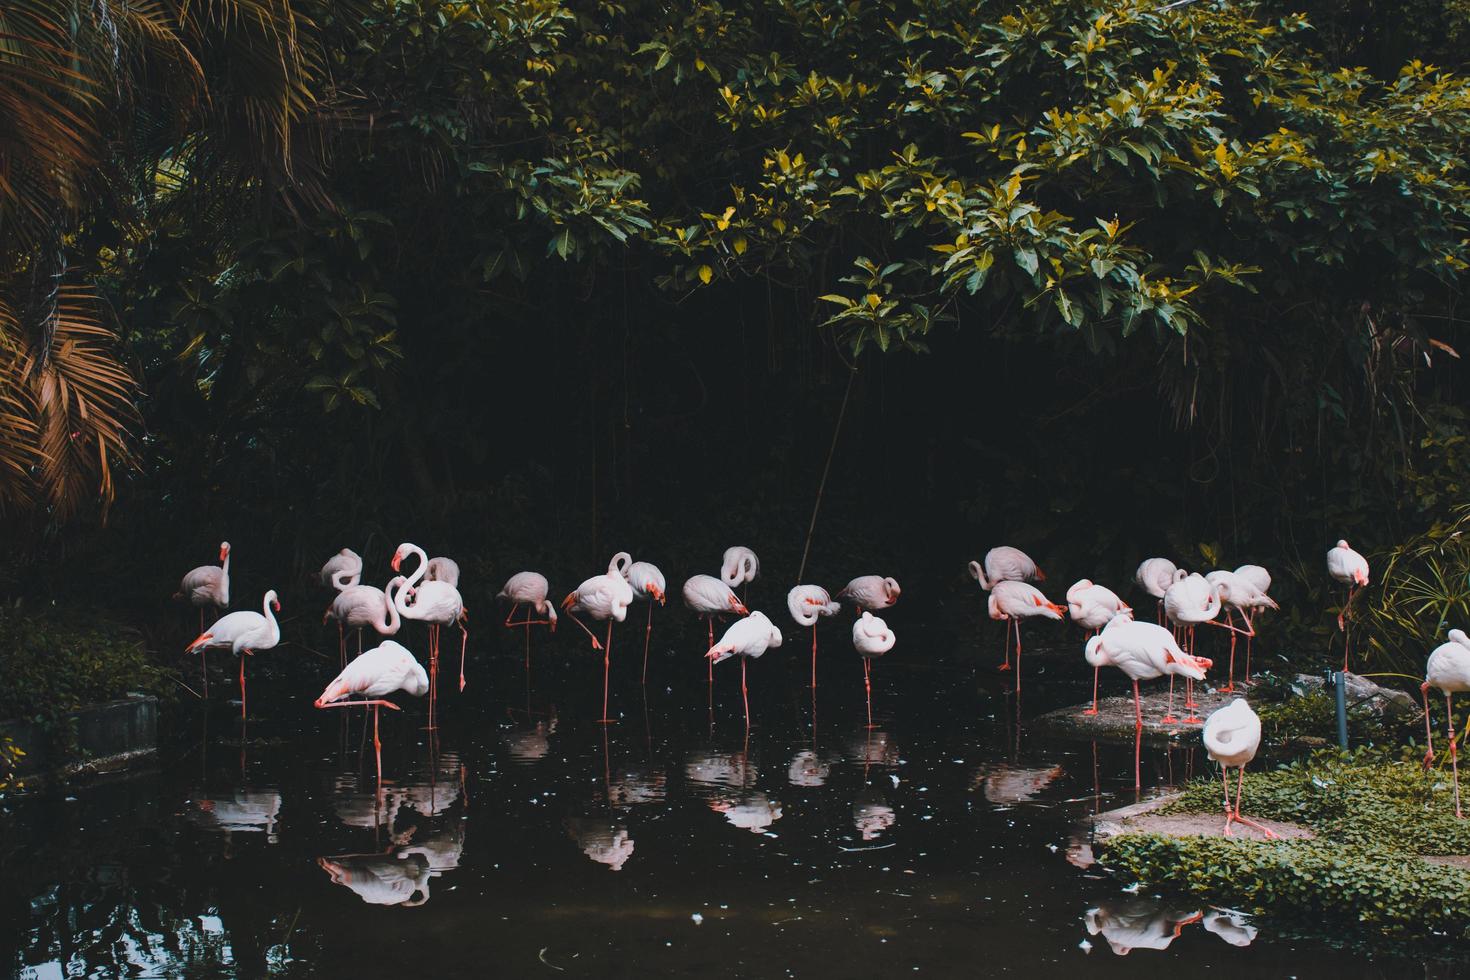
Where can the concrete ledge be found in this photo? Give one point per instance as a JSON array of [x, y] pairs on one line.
[[111, 736]]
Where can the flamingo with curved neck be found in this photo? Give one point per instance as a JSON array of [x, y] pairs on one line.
[[436, 603], [364, 605], [242, 633]]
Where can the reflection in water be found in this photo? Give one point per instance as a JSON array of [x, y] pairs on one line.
[[871, 814], [873, 748], [247, 810], [1233, 927], [604, 841], [808, 769], [1007, 784], [636, 786], [753, 811], [441, 847], [395, 878], [712, 768], [1138, 923], [530, 744]]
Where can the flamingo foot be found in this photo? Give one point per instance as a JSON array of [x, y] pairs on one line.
[[1267, 831], [1169, 720], [1004, 666], [1193, 719], [1090, 711]]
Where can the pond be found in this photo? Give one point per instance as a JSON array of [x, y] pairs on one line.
[[525, 840]]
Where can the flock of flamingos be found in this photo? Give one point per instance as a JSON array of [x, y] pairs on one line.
[[1141, 650]]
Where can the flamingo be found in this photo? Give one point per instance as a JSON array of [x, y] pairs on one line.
[[208, 585], [747, 639], [1449, 670], [648, 584], [1005, 564], [1258, 576], [1188, 602], [739, 566], [1097, 659], [529, 588], [376, 674], [243, 633], [1015, 601], [871, 637], [394, 878], [1239, 593], [1156, 575], [342, 570], [603, 597], [807, 604], [871, 592], [437, 604], [443, 570], [710, 597], [1232, 736], [363, 605], [1093, 606], [1349, 568], [1138, 923], [1143, 651]]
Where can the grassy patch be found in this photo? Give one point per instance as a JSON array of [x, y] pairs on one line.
[[1374, 816]]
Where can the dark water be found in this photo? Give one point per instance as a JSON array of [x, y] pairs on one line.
[[528, 841]]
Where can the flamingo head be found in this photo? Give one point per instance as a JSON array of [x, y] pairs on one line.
[[397, 559], [224, 550], [275, 602], [976, 572], [657, 593], [891, 589], [737, 606], [1342, 543]]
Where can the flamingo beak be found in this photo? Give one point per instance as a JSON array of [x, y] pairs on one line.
[[223, 553], [276, 604], [397, 560]]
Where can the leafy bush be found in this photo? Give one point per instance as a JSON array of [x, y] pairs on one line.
[[1424, 591], [10, 756], [1374, 816]]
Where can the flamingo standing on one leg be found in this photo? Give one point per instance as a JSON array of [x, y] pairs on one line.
[[711, 597], [529, 588], [443, 570], [1188, 602], [1092, 607], [1232, 736], [747, 639], [649, 585], [1238, 594], [363, 605], [603, 597], [1014, 601], [1005, 564], [807, 604], [871, 592], [1156, 575], [872, 638], [1143, 651], [740, 566], [1449, 670], [1097, 660], [342, 570], [243, 633], [208, 585], [374, 675], [437, 604], [1258, 576], [1349, 568]]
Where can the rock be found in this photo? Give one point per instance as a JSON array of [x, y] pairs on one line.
[[1115, 716], [1362, 693]]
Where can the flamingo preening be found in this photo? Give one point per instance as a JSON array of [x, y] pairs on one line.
[[342, 570], [739, 566], [1449, 670], [1099, 660], [376, 674], [649, 585], [528, 588], [747, 639], [1005, 564], [872, 638], [208, 585], [1156, 575], [243, 633], [1349, 568], [871, 592], [1014, 601], [1239, 594], [711, 597], [1191, 600], [603, 597], [1232, 735], [443, 570], [437, 604], [807, 604], [357, 606]]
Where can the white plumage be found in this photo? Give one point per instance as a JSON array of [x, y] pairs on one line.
[[1005, 564], [748, 637], [379, 672], [740, 565], [808, 603], [1093, 606], [342, 570], [871, 636], [871, 592]]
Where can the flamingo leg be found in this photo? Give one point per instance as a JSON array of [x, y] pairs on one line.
[[204, 663], [341, 645], [1018, 655], [1007, 664], [242, 683], [647, 635], [868, 688], [711, 621], [1239, 791], [1454, 751], [596, 644], [1169, 718], [744, 693], [1093, 709], [528, 647], [377, 747], [606, 665], [1230, 680], [1428, 734], [1343, 623], [1229, 812], [433, 676], [512, 615], [464, 641], [1189, 701], [1137, 737], [814, 655]]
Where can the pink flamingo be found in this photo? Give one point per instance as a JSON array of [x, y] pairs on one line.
[[1015, 601], [1449, 670], [740, 565], [711, 597], [208, 585], [1232, 735], [242, 633], [363, 605], [529, 588], [1239, 594], [1156, 575], [871, 592], [649, 585], [437, 604], [603, 597], [342, 570], [807, 604], [1005, 564], [1187, 603], [443, 570], [747, 639], [376, 674], [872, 638], [1349, 568]]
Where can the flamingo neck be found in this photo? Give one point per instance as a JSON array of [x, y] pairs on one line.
[[400, 597], [391, 622], [224, 574], [270, 619]]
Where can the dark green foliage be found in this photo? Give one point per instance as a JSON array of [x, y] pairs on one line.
[[1373, 816]]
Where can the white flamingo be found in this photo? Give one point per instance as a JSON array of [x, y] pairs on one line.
[[384, 669], [1190, 601], [528, 588], [807, 604], [1449, 670], [740, 565], [437, 604], [1012, 602], [1349, 568], [342, 570], [444, 570], [871, 592], [748, 639], [710, 597], [242, 633], [1005, 564], [208, 585], [649, 585], [363, 605], [1155, 575], [872, 638], [1232, 735], [603, 597], [1239, 594]]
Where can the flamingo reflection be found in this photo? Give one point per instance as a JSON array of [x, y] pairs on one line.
[[604, 841], [1138, 923], [395, 878]]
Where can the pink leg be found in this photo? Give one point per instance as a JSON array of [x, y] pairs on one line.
[[1093, 710], [464, 640], [814, 654], [204, 663], [377, 746], [1229, 812], [868, 687], [1018, 656], [1007, 664], [711, 621], [528, 646], [647, 635], [359, 641], [744, 695], [1428, 734], [606, 665], [1454, 751], [242, 684], [341, 646], [1239, 787], [1230, 679], [1169, 718], [1137, 738], [1189, 701], [512, 615], [596, 643]]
